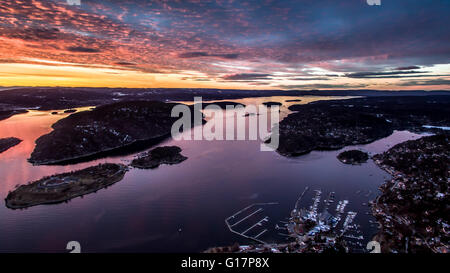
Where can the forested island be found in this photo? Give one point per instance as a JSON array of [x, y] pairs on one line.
[[161, 155], [353, 157]]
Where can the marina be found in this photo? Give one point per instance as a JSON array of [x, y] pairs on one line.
[[218, 179], [306, 231], [260, 222]]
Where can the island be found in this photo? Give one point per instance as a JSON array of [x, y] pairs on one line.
[[63, 187], [222, 104], [160, 155], [7, 143], [353, 157], [272, 103], [4, 114], [334, 124], [110, 128], [413, 208]]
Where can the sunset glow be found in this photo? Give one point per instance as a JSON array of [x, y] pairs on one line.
[[225, 44]]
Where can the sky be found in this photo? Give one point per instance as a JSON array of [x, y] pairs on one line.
[[260, 44]]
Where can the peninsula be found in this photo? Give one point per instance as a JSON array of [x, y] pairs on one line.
[[105, 129], [7, 143], [413, 206], [4, 114], [332, 125]]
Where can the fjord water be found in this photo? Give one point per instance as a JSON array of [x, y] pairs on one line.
[[181, 207]]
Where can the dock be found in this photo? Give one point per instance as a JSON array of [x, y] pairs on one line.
[[300, 197], [241, 216]]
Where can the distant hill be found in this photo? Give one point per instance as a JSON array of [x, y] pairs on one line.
[[54, 98]]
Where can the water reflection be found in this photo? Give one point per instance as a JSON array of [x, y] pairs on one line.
[[145, 211]]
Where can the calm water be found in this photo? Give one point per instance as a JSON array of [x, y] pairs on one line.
[[145, 210]]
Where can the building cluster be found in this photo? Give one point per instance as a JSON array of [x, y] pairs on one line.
[[413, 207], [317, 230], [312, 229]]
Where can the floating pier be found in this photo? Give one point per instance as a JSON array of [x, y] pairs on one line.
[[245, 217]]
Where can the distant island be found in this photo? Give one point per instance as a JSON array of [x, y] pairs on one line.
[[251, 114], [353, 157], [160, 155], [60, 98], [413, 208], [104, 129], [272, 103], [7, 143], [222, 104], [62, 187]]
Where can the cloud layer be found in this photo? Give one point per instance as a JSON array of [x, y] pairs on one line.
[[270, 44]]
